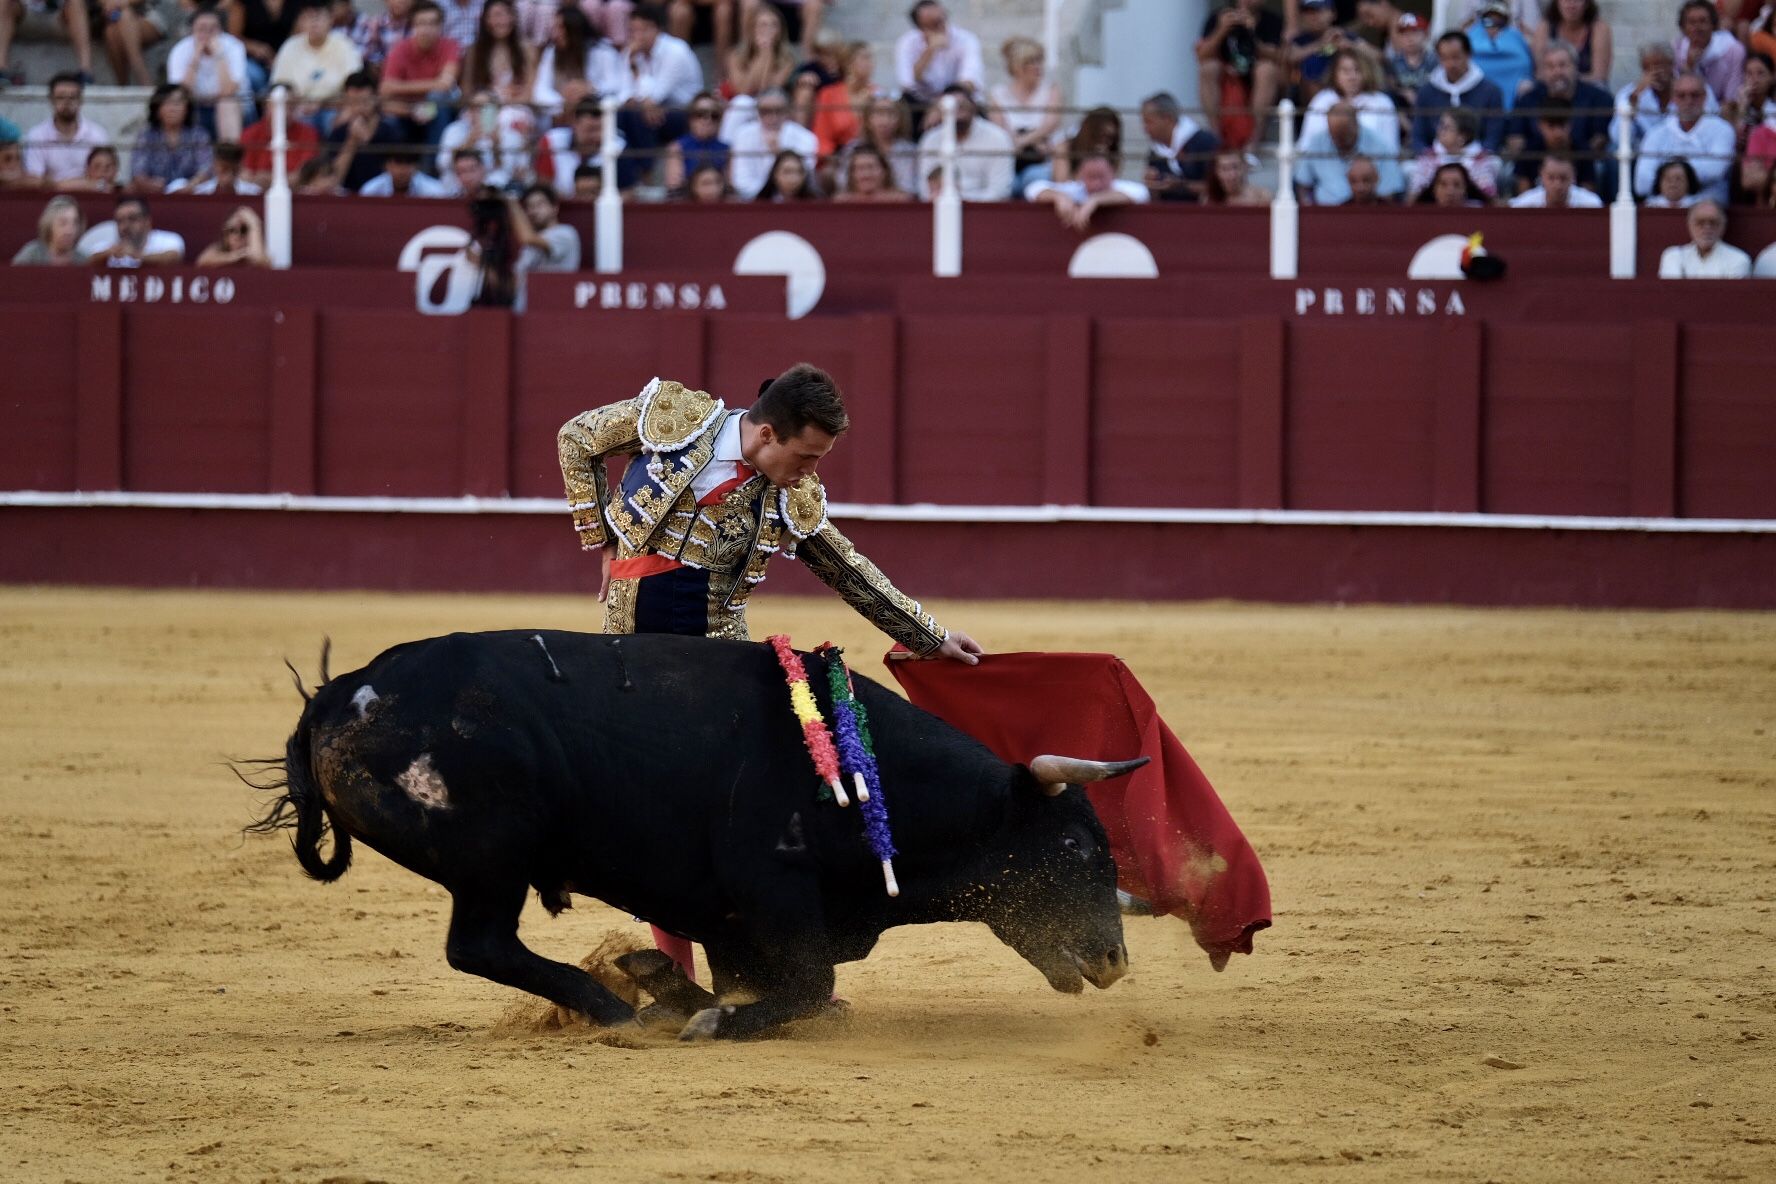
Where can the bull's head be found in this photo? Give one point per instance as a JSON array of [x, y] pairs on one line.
[[1054, 900]]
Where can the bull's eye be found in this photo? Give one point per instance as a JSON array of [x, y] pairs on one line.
[[1071, 844]]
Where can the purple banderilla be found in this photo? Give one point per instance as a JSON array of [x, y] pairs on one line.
[[857, 759]]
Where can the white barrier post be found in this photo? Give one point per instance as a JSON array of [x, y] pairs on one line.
[[1624, 237], [278, 213], [608, 226], [946, 208], [1285, 211]]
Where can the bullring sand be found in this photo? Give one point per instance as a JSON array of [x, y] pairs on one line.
[[1523, 866]]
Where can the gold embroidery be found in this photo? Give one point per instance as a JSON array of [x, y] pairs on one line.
[[803, 506], [672, 416], [619, 607], [583, 443], [831, 557]]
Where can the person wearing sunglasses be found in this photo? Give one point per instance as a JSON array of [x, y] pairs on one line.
[[701, 147], [242, 243]]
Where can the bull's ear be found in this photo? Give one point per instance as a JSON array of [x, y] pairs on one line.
[[1056, 773]]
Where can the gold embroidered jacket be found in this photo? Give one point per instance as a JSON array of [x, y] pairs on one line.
[[656, 512]]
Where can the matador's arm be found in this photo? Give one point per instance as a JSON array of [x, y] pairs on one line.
[[830, 555], [584, 441]]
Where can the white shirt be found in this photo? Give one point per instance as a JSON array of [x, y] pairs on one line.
[[242, 188], [604, 70], [1708, 146], [983, 161], [207, 86], [103, 237], [464, 132], [1687, 263], [1578, 198], [382, 185], [1076, 189], [752, 160], [1647, 114], [316, 73], [959, 61], [49, 156], [725, 465], [1375, 111], [669, 74], [567, 160]]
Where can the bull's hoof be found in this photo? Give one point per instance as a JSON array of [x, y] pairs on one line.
[[659, 1017], [706, 1024], [641, 963]]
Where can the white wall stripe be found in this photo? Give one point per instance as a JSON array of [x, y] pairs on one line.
[[924, 512]]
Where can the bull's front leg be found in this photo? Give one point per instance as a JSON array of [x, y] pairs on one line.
[[793, 977]]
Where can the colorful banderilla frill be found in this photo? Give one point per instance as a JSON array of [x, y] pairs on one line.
[[857, 755], [814, 733]]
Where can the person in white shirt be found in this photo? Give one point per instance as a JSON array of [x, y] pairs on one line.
[[129, 239], [1705, 257], [400, 177], [984, 153], [935, 55], [1095, 187], [315, 63], [212, 65], [757, 144], [1689, 133], [577, 63], [57, 149], [659, 70], [1650, 97], [501, 134], [1557, 189]]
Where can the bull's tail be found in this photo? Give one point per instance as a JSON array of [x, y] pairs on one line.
[[300, 805]]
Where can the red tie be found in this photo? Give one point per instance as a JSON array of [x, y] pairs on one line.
[[743, 473]]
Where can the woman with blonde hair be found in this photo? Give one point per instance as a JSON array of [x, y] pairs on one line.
[[1027, 105], [242, 243], [885, 128], [1351, 79], [58, 234], [839, 109], [763, 60]]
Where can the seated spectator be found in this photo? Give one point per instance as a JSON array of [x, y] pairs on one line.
[[1457, 82], [839, 109], [1238, 69], [708, 186], [549, 243], [1525, 14], [885, 125], [1675, 188], [576, 64], [468, 175], [500, 134], [497, 60], [804, 93], [1408, 59], [212, 67], [1501, 53], [1761, 32], [1553, 125], [758, 144], [400, 177], [224, 175], [461, 19], [361, 135], [315, 63], [262, 26], [660, 77], [129, 239], [790, 179], [130, 28], [699, 21], [1651, 95], [609, 19], [1704, 48], [1364, 180], [1755, 104], [303, 140], [983, 152], [1027, 105], [1229, 182], [100, 175], [374, 36], [1706, 141], [1375, 24], [57, 149], [1452, 189], [1099, 134], [1180, 150], [1577, 25], [934, 56], [172, 147], [74, 23], [763, 60], [1096, 188], [315, 178], [1456, 129], [699, 148], [805, 19], [420, 76], [868, 178], [1557, 188], [565, 150], [58, 237], [1322, 177], [1349, 81], [1705, 256], [1588, 110], [1310, 51], [12, 161], [1757, 166], [242, 243]]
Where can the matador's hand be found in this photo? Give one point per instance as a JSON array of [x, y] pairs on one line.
[[961, 648], [604, 568]]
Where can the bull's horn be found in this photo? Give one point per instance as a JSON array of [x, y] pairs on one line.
[[1058, 772]]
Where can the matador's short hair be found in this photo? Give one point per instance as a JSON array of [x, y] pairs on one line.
[[802, 395]]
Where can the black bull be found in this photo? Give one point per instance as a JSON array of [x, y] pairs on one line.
[[667, 777]]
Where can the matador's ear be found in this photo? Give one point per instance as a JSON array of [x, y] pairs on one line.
[[765, 386]]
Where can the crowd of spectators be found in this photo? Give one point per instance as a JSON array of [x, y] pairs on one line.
[[464, 98]]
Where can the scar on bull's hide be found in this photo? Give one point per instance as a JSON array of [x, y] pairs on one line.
[[555, 674], [793, 842], [364, 700], [421, 782], [622, 666]]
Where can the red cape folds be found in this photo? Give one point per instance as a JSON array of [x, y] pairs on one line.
[[1175, 844]]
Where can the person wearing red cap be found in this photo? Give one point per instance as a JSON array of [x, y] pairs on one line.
[[1408, 58]]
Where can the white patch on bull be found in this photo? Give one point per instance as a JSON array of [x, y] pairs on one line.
[[421, 782], [363, 700]]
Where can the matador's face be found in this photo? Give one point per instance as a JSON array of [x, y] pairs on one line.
[[784, 461]]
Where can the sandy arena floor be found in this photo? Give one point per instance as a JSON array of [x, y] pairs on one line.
[[1544, 838]]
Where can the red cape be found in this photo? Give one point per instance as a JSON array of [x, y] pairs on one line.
[[1175, 844]]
